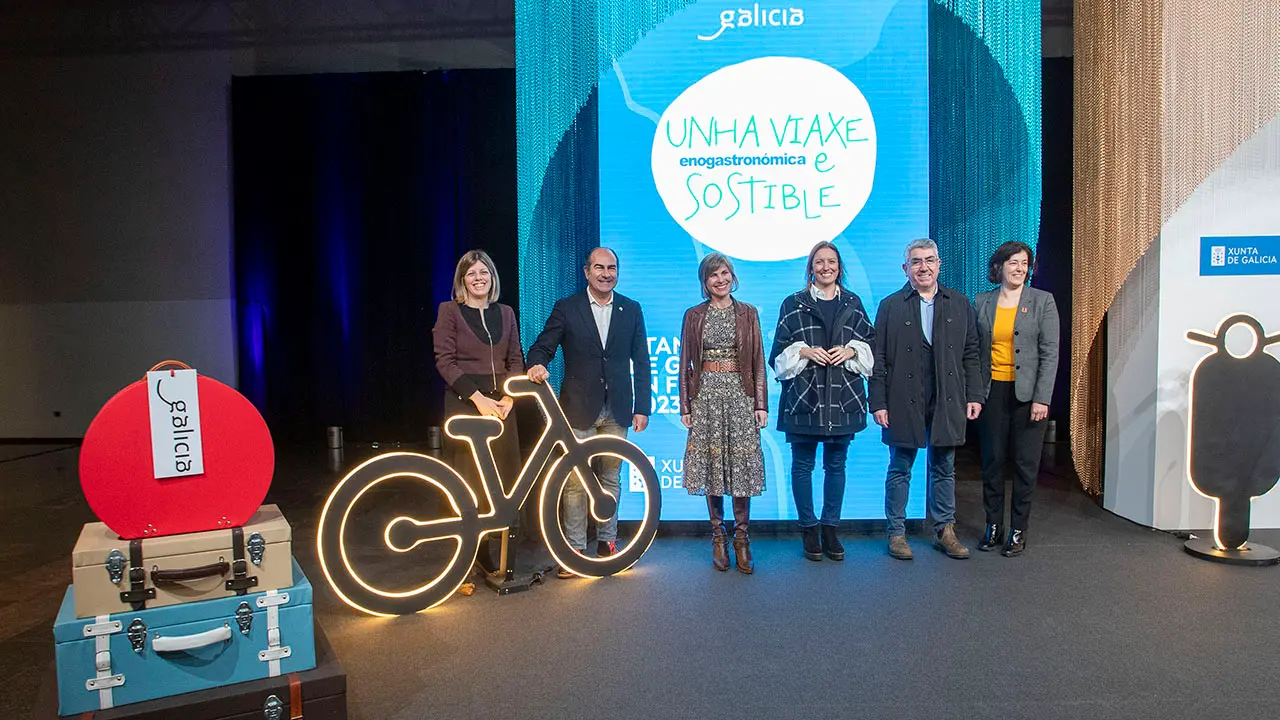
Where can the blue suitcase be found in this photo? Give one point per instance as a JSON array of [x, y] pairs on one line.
[[129, 657]]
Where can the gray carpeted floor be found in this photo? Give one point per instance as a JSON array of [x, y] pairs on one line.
[[1100, 619]]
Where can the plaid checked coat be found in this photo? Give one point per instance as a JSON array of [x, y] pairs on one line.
[[825, 401]]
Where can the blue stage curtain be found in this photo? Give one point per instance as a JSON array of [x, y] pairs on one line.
[[985, 143], [562, 48], [354, 196]]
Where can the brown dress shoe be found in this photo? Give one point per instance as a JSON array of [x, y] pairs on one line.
[[899, 548], [946, 542]]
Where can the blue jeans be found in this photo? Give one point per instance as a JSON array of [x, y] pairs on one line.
[[941, 491], [803, 457], [575, 501]]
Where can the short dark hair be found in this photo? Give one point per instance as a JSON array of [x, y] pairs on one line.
[[711, 263], [995, 268], [586, 261], [808, 268]]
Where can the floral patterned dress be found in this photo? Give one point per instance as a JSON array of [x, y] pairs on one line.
[[723, 456]]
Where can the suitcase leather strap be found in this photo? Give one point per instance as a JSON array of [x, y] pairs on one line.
[[194, 573], [138, 593], [241, 580], [295, 697]]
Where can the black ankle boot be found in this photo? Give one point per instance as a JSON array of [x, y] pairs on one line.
[[1016, 544], [990, 539], [831, 546], [812, 546]]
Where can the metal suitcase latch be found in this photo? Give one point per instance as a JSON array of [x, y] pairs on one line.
[[275, 653], [103, 683], [272, 709], [266, 601], [116, 564], [110, 627], [137, 635], [244, 618], [256, 547]]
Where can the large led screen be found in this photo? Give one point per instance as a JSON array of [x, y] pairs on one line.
[[759, 130]]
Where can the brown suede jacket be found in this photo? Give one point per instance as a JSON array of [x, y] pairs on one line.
[[750, 354]]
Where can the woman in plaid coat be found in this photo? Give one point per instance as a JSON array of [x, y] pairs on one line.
[[822, 353]]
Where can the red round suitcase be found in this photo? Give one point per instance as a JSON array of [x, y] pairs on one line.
[[118, 477]]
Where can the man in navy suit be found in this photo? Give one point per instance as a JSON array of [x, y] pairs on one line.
[[606, 381]]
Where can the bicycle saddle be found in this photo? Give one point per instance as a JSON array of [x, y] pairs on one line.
[[473, 426]]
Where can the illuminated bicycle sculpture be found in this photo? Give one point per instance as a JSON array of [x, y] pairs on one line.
[[558, 459]]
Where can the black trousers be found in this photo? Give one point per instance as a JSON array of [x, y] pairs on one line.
[[1008, 433]]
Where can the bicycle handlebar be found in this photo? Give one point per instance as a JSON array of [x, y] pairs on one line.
[[522, 385]]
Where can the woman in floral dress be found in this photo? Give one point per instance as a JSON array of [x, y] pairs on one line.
[[725, 403]]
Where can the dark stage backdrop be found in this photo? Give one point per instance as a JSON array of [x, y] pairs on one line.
[[354, 196], [1053, 252]]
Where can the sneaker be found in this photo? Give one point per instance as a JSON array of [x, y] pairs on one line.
[[946, 542], [899, 548], [605, 549]]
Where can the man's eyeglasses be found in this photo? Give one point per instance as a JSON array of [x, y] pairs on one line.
[[929, 261]]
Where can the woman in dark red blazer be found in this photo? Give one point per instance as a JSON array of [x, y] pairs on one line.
[[477, 348]]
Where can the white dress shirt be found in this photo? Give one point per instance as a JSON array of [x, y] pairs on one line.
[[789, 363], [603, 314]]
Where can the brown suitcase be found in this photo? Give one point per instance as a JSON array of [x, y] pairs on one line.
[[113, 575], [319, 694]]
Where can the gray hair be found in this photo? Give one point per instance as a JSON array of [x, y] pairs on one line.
[[711, 263], [919, 244]]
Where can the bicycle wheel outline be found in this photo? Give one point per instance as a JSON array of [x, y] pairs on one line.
[[331, 542], [561, 473]]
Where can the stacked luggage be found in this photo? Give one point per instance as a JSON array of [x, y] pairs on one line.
[[189, 583]]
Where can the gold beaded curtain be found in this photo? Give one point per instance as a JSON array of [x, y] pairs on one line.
[[1164, 92]]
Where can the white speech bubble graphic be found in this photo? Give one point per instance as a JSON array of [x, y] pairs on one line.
[[762, 159]]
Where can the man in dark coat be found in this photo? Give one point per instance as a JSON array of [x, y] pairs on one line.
[[603, 336], [925, 385]]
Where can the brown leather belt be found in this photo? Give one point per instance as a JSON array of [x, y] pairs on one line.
[[719, 366]]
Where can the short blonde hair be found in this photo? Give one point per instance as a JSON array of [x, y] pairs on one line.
[[460, 276]]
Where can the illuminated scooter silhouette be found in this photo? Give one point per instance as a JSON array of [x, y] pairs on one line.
[[1235, 427]]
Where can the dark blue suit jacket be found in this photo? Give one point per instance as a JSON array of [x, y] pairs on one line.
[[593, 372]]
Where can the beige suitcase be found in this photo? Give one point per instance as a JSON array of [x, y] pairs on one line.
[[113, 575]]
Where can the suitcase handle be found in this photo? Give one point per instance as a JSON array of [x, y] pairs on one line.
[[192, 642], [170, 364], [217, 569]]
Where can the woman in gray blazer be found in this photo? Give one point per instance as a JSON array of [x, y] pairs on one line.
[[1018, 339]]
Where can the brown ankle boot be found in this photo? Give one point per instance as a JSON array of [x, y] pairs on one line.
[[947, 542], [742, 540], [720, 549], [719, 538]]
